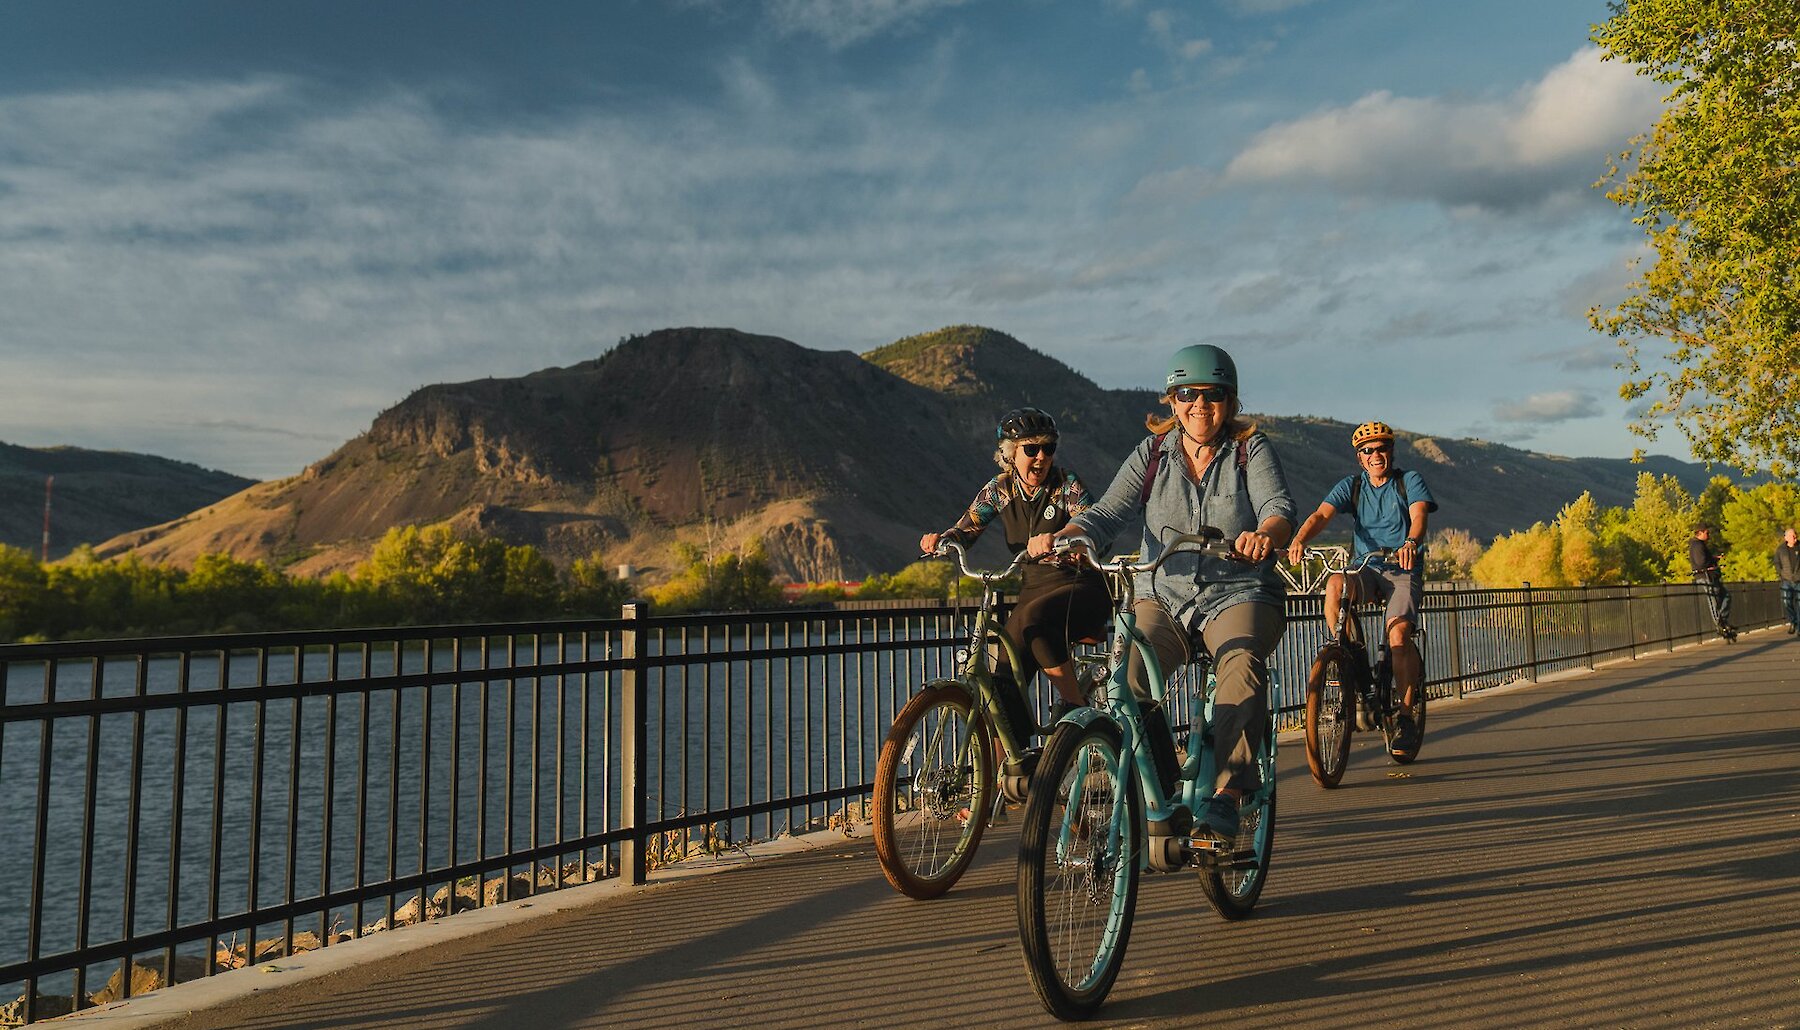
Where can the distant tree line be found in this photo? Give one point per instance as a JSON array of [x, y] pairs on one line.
[[435, 575], [1587, 544], [414, 576]]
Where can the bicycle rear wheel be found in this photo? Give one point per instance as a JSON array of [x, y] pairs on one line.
[[1235, 887], [1078, 868], [934, 786], [1330, 714], [1389, 729]]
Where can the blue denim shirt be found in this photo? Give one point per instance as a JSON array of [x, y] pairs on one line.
[[1196, 588]]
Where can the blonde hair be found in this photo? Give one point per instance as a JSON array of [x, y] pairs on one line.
[[1003, 453], [1236, 428]]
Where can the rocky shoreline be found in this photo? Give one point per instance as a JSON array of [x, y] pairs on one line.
[[470, 893]]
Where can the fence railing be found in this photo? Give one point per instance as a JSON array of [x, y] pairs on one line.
[[179, 806]]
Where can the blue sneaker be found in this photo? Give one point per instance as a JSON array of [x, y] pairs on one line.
[[1219, 819]]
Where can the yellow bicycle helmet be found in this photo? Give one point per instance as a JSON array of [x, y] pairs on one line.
[[1371, 431]]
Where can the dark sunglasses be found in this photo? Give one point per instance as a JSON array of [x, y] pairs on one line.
[[1377, 449], [1033, 449], [1209, 394]]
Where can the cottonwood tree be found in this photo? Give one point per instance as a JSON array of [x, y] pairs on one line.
[[1711, 326]]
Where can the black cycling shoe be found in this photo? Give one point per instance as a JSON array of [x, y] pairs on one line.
[[1219, 819], [1405, 736]]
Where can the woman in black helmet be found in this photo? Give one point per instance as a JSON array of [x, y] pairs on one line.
[[1032, 496]]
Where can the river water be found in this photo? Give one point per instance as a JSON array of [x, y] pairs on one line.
[[748, 729]]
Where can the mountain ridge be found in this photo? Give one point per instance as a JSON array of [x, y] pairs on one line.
[[97, 494], [835, 462]]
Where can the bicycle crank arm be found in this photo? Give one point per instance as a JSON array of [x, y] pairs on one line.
[[1211, 854]]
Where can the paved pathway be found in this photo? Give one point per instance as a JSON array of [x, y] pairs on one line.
[[1619, 849]]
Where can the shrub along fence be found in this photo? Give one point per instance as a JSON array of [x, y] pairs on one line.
[[180, 806]]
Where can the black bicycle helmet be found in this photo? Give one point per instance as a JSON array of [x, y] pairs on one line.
[[1025, 423]]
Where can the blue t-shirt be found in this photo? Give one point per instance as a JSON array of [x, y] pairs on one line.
[[1380, 520]]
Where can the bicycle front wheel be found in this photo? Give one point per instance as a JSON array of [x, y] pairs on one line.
[[1078, 868], [1330, 714], [934, 785]]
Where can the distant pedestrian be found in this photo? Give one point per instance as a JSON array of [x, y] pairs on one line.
[[1706, 573], [1787, 568]]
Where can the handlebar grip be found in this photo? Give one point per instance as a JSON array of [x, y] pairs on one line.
[[1200, 535]]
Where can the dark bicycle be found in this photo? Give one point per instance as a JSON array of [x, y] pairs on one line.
[[1345, 690], [937, 776]]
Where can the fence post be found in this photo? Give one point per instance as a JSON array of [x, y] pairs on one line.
[[1531, 635], [1630, 624], [1456, 639], [633, 850], [1668, 619], [1587, 624]]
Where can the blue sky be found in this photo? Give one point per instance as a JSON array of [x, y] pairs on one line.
[[233, 232]]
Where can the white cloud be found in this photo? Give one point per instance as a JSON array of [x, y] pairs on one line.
[[1266, 6], [1549, 140], [253, 254], [1581, 357], [1175, 185], [1258, 294], [1165, 27], [1555, 406], [841, 23]]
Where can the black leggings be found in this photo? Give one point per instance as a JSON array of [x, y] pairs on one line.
[[1045, 619]]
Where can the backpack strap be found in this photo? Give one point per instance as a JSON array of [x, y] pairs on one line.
[[1243, 467], [1156, 446], [1399, 478]]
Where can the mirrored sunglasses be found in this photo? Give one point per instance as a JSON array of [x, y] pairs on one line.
[[1209, 394]]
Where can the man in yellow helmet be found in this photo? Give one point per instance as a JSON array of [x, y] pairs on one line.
[[1388, 508]]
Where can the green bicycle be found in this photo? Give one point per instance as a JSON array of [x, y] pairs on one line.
[[1097, 816], [936, 777]]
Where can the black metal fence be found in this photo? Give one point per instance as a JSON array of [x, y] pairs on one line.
[[175, 807]]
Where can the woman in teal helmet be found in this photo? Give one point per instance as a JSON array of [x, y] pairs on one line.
[[1204, 465]]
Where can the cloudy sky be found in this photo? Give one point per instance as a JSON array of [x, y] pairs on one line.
[[232, 232]]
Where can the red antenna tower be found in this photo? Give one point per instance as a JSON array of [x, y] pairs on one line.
[[49, 481]]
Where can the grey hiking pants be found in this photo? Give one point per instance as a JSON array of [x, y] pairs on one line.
[[1240, 639]]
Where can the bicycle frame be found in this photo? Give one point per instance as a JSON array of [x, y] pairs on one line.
[[1122, 706], [976, 666], [1365, 678]]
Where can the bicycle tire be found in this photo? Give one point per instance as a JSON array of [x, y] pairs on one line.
[[1078, 882], [1330, 716], [1234, 891], [931, 806]]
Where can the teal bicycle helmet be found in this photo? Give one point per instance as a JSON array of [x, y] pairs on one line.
[[1201, 364]]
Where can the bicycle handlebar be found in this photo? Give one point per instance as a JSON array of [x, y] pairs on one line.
[[952, 549], [1208, 541], [1336, 561]]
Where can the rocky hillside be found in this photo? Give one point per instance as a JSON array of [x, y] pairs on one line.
[[835, 461], [98, 494]]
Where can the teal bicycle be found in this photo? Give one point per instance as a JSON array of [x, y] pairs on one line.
[[1097, 815]]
